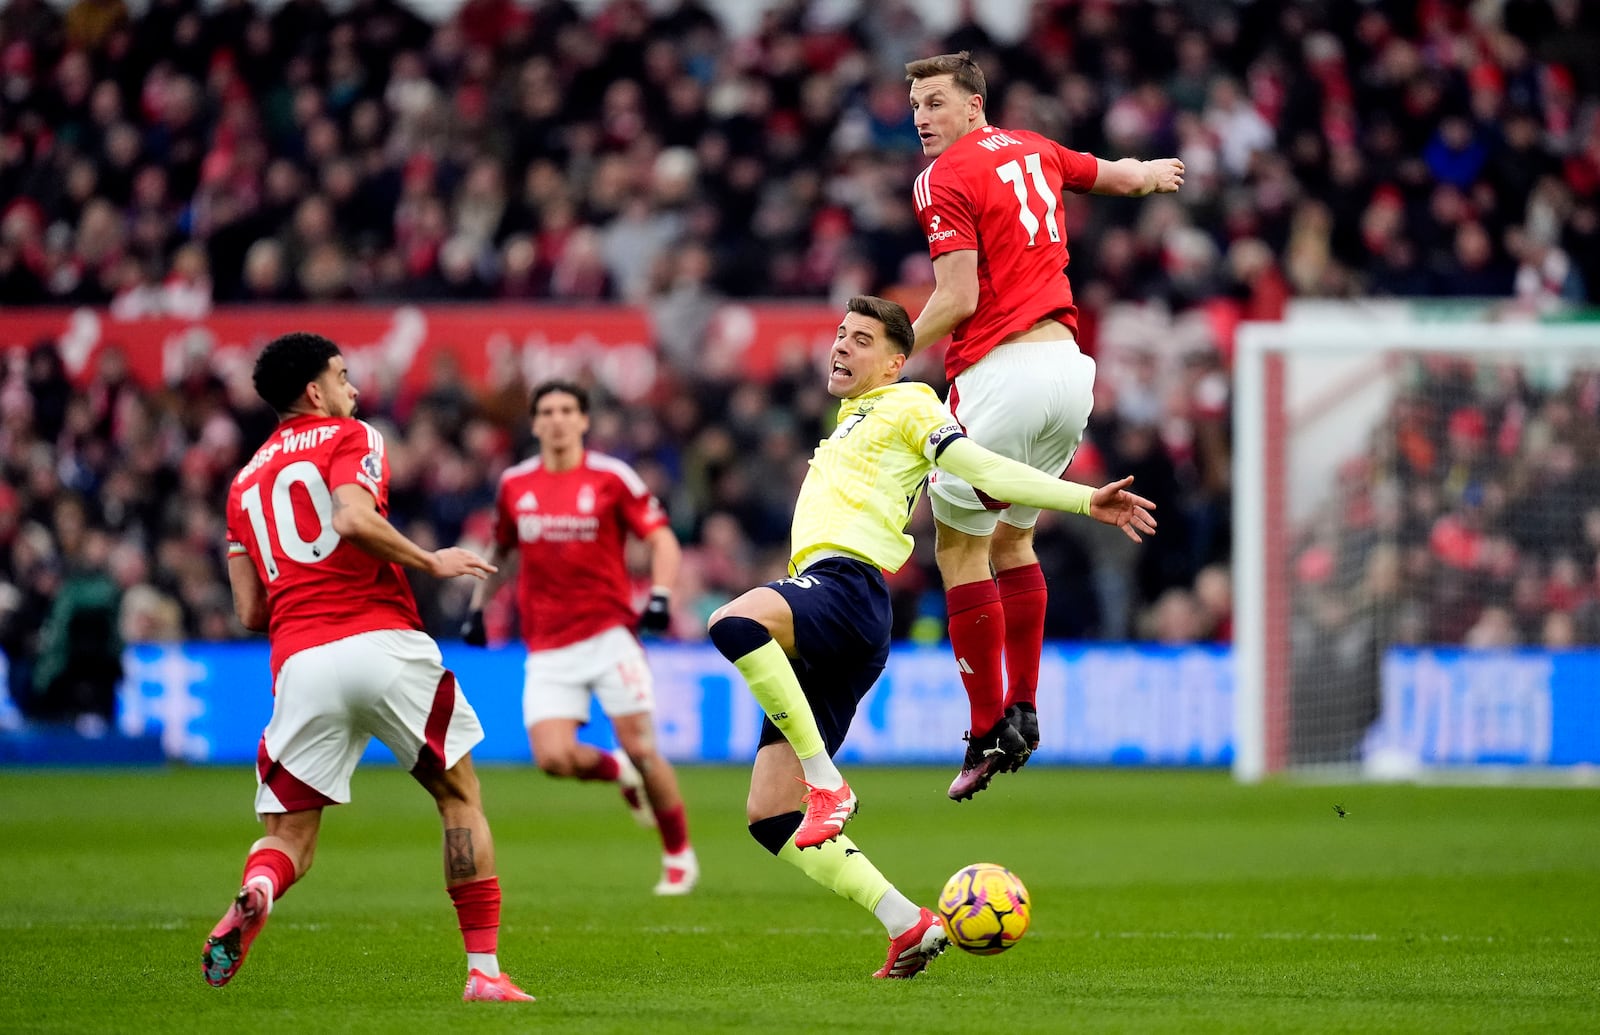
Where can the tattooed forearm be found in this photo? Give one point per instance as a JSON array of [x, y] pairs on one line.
[[458, 858]]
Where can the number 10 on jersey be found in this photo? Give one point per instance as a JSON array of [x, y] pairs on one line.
[[290, 543]]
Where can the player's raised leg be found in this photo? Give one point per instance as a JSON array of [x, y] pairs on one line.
[[977, 637], [680, 870], [470, 876], [756, 633], [558, 752], [916, 935], [274, 863]]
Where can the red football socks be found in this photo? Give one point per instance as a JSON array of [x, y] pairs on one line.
[[478, 912], [978, 635], [674, 826], [272, 864], [604, 768], [1023, 597]]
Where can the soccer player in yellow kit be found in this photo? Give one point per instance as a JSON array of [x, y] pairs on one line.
[[811, 645]]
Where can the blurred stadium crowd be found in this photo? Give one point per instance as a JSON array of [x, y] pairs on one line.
[[1474, 518], [191, 155]]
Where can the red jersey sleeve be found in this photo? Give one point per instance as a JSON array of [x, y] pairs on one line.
[[235, 525], [358, 458], [640, 509], [946, 209], [1079, 169], [505, 522]]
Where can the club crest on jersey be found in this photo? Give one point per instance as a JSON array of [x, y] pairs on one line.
[[586, 500], [372, 465]]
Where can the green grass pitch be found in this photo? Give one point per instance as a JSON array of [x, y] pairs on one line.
[[1162, 902]]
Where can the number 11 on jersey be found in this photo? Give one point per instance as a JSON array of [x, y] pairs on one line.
[[1011, 173]]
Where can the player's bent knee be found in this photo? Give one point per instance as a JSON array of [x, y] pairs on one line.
[[556, 763], [773, 832], [735, 636]]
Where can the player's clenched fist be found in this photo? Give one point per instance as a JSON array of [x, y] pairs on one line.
[[453, 561], [1166, 173]]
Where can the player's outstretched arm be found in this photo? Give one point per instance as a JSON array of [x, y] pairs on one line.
[[954, 298], [1006, 479], [1131, 178], [1113, 504], [356, 518]]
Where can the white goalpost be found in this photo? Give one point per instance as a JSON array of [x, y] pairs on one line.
[[1416, 532]]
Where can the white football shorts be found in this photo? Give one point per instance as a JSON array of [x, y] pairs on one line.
[[1027, 400], [610, 665], [334, 698]]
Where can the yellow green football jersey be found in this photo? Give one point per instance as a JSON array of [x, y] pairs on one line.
[[866, 477]]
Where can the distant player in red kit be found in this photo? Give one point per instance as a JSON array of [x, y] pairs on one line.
[[990, 206], [314, 561], [566, 515]]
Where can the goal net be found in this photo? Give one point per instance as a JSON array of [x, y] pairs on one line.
[[1416, 534]]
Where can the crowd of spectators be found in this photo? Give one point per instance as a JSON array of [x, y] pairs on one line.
[[234, 153], [193, 155], [1473, 518]]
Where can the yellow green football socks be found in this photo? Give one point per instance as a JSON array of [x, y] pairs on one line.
[[777, 690], [840, 866]]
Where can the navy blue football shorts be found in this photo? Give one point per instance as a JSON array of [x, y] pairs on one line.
[[842, 620]]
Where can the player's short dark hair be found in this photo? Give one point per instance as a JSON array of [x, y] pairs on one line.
[[896, 321], [960, 67], [577, 391], [288, 364]]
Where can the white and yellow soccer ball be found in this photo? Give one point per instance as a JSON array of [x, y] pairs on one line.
[[985, 909]]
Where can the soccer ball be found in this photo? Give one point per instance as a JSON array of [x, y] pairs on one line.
[[985, 909]]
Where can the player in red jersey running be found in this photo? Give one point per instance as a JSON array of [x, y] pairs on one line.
[[565, 515], [314, 561], [990, 206]]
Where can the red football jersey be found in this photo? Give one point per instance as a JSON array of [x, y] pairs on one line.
[[570, 529], [999, 191], [280, 513]]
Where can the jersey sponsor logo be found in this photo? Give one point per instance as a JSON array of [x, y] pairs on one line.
[[935, 234], [800, 581], [558, 528], [527, 501], [934, 224]]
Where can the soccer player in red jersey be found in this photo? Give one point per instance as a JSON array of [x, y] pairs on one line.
[[314, 561], [566, 515], [990, 206]]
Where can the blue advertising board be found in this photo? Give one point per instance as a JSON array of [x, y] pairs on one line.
[[1098, 705], [1446, 706]]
